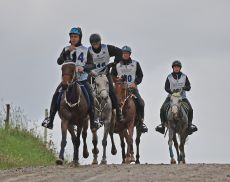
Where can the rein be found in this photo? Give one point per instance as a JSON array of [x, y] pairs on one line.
[[79, 98]]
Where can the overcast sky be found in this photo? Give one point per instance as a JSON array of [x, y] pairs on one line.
[[33, 33]]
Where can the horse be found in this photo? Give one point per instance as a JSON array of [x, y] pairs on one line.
[[73, 112], [125, 130], [105, 115], [177, 124]]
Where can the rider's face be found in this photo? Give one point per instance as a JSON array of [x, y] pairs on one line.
[[96, 45], [125, 55], [176, 69], [74, 39]]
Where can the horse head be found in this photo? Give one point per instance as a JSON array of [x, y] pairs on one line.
[[68, 73], [101, 86], [175, 104]]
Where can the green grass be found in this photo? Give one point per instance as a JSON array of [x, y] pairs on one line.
[[22, 149]]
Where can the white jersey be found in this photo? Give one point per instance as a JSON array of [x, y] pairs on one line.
[[100, 59], [79, 57], [129, 71], [177, 83]]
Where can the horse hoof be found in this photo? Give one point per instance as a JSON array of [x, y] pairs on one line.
[[74, 164], [114, 151], [95, 162], [137, 162], [132, 159], [182, 162], [123, 162], [173, 161], [103, 162], [128, 160], [59, 162], [85, 154]]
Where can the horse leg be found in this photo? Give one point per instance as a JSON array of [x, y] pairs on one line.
[[64, 126], [181, 147], [131, 128], [84, 136], [95, 149], [121, 134], [176, 146], [113, 149], [104, 143], [128, 141], [170, 142], [137, 145], [112, 125], [74, 141]]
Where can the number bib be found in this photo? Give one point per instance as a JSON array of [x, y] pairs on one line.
[[177, 84], [79, 57], [100, 59], [127, 71]]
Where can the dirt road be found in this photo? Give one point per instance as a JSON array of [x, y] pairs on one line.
[[112, 173]]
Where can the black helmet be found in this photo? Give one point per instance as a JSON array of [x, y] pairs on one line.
[[176, 63], [94, 38]]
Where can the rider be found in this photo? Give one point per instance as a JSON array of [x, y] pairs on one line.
[[131, 71], [101, 54], [174, 82], [78, 54]]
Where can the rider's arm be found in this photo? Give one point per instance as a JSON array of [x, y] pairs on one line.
[[167, 86], [89, 64], [139, 74], [115, 51], [187, 86], [114, 74], [63, 56]]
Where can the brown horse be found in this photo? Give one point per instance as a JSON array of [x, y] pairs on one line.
[[126, 129], [73, 112]]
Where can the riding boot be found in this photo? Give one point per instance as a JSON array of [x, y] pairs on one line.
[[48, 121], [161, 128], [140, 110], [94, 122], [191, 128], [114, 101]]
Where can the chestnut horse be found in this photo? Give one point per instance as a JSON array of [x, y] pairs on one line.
[[126, 129], [73, 112]]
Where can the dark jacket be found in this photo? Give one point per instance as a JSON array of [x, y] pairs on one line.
[[113, 51], [139, 73], [176, 76]]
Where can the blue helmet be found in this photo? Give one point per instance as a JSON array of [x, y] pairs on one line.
[[126, 49], [75, 30]]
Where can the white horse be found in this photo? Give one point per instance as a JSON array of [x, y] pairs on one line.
[[177, 117], [105, 115]]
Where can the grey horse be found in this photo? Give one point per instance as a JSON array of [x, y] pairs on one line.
[[177, 117], [104, 114]]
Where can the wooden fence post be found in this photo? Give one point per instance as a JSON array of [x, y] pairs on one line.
[[7, 121], [45, 129]]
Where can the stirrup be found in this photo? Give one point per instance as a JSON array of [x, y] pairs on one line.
[[191, 129], [47, 123], [144, 128], [160, 128]]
